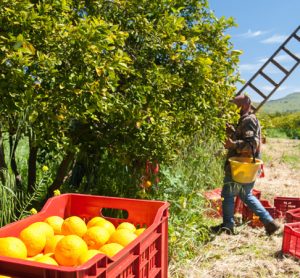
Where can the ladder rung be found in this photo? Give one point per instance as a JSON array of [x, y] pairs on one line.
[[257, 90], [297, 37], [268, 78], [291, 54], [279, 66]]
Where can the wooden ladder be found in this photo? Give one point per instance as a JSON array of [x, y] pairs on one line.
[[272, 61]]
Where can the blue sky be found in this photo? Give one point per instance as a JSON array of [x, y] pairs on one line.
[[263, 25]]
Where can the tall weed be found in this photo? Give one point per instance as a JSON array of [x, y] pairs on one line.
[[197, 168]]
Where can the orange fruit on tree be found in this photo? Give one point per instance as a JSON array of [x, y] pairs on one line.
[[126, 225], [55, 222], [87, 256], [95, 237], [139, 231], [51, 244], [13, 247], [111, 249], [95, 220], [34, 239], [73, 225], [69, 249], [46, 260], [122, 236]]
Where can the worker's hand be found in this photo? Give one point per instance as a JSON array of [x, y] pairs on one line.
[[229, 144], [229, 129]]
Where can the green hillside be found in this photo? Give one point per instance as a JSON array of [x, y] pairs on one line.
[[290, 103]]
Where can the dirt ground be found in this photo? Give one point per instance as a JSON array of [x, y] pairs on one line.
[[251, 253]]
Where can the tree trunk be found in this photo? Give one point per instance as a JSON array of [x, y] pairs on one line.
[[2, 159], [32, 164], [61, 173], [13, 146]]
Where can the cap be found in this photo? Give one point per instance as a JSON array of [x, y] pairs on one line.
[[241, 100]]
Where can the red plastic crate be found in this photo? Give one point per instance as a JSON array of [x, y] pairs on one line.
[[214, 199], [292, 215], [146, 256], [291, 239], [254, 221], [284, 204], [214, 202]]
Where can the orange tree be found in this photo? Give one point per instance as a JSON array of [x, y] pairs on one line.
[[118, 81]]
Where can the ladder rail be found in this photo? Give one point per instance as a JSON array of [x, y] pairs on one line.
[[267, 62], [274, 90], [273, 61]]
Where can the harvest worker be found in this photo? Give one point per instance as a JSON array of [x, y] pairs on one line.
[[242, 141]]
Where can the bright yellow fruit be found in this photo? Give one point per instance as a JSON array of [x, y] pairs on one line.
[[3, 276], [95, 220], [126, 225], [34, 239], [107, 225], [139, 231], [55, 222], [35, 257], [69, 249], [87, 256], [122, 236], [12, 247], [51, 244], [46, 260], [95, 237], [44, 227], [73, 225], [111, 249]]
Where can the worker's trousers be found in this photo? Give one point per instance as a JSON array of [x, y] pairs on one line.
[[232, 189]]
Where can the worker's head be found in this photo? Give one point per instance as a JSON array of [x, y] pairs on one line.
[[244, 102]]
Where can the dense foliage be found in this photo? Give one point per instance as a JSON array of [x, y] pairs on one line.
[[99, 88], [282, 125]]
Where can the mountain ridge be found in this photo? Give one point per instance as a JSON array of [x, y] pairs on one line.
[[287, 104]]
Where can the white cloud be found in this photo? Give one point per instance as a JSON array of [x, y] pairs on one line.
[[252, 34], [274, 39]]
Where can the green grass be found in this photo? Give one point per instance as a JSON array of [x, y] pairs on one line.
[[291, 159], [276, 133]]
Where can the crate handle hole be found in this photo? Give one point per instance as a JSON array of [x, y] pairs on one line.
[[114, 213]]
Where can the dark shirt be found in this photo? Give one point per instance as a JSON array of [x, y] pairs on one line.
[[246, 134]]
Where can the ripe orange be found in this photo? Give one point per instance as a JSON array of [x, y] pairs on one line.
[[126, 225], [122, 236], [94, 221], [69, 249], [139, 231], [46, 260], [51, 244], [43, 227], [35, 257], [55, 222], [87, 256], [12, 247], [95, 237], [73, 225], [34, 239], [106, 224], [111, 249]]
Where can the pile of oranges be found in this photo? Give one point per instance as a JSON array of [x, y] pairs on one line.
[[70, 241]]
